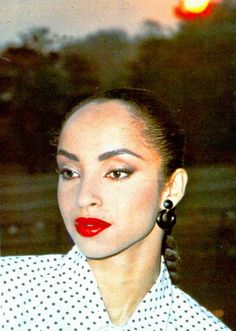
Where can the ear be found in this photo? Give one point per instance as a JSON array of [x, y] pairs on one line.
[[174, 189]]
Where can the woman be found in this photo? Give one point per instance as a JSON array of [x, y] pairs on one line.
[[120, 165]]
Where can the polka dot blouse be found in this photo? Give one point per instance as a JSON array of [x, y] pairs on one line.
[[59, 292]]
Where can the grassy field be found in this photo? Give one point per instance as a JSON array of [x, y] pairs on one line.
[[205, 230]]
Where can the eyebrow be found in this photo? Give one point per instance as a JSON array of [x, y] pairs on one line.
[[110, 154], [70, 156], [102, 157]]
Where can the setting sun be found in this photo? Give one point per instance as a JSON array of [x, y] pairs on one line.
[[191, 9], [195, 6]]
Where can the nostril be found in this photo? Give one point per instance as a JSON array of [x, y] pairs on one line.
[[87, 195]]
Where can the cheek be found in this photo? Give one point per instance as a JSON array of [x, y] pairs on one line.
[[145, 201], [64, 199], [136, 203], [65, 203]]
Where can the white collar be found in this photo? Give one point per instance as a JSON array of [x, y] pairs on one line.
[[82, 288]]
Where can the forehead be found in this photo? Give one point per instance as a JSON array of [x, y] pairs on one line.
[[109, 116], [113, 110], [102, 126]]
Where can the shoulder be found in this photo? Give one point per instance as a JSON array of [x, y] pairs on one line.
[[33, 267], [191, 315], [20, 272], [24, 277], [14, 264]]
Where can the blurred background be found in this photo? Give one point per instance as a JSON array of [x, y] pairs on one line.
[[54, 54]]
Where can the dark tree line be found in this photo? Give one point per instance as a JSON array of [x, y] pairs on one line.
[[192, 69], [195, 71]]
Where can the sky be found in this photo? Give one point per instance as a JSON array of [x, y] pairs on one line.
[[77, 18]]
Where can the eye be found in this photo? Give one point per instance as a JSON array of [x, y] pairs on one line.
[[119, 174], [67, 174]]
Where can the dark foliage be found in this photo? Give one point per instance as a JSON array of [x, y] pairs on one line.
[[193, 70]]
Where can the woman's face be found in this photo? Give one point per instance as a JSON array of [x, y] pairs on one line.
[[109, 180]]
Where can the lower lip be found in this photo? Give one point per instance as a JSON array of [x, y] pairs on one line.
[[90, 227]]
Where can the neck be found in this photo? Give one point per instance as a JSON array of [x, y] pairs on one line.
[[135, 266]]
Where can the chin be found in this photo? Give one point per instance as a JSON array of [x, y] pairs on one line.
[[99, 255], [102, 253]]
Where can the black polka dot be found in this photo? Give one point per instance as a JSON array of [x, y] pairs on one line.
[[45, 292]]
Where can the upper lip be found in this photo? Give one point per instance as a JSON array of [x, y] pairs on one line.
[[91, 221]]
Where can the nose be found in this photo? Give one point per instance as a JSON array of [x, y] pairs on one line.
[[88, 194]]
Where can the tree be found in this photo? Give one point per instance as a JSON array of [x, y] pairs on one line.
[[41, 85], [108, 51], [194, 72]]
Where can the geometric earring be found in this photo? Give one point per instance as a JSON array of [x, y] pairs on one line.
[[166, 218]]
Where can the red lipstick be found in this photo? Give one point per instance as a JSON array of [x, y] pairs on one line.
[[90, 227]]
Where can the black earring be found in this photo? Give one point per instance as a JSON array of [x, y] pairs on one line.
[[166, 218]]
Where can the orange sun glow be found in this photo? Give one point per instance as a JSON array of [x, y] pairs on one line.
[[191, 9], [195, 6]]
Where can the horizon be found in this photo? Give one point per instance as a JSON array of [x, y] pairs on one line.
[[76, 21]]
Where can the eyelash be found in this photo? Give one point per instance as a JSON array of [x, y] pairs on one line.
[[68, 174], [64, 173]]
